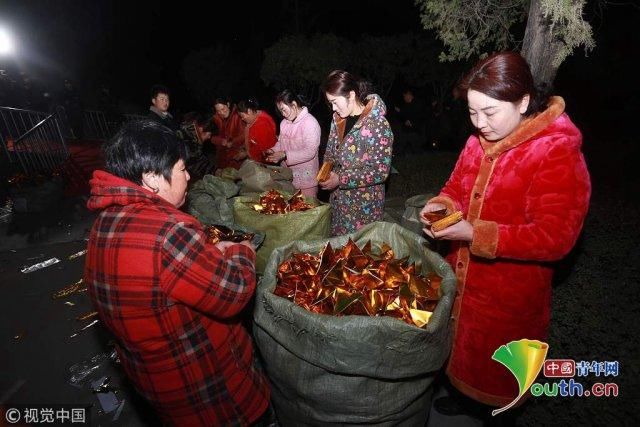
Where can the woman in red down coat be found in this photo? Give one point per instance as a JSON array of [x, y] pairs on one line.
[[229, 139], [260, 133], [523, 188]]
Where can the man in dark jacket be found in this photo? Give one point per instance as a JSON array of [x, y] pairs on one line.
[[159, 109]]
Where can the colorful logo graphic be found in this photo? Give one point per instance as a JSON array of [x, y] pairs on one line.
[[524, 358]]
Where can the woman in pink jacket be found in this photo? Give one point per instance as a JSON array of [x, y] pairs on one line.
[[298, 143]]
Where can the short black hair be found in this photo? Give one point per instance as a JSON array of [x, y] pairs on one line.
[[142, 146], [248, 104], [156, 89]]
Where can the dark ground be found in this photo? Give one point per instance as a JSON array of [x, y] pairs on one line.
[[595, 305]]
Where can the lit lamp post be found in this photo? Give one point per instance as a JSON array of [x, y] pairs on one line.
[[6, 44]]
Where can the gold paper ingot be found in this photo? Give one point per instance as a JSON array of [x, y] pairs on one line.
[[420, 317], [68, 290], [324, 172], [447, 221], [434, 216], [87, 316]]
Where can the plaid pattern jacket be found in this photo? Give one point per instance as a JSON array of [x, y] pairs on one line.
[[171, 300]]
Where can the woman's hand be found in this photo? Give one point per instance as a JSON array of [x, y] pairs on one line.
[[275, 156], [240, 155], [330, 183], [226, 143], [430, 207], [462, 231]]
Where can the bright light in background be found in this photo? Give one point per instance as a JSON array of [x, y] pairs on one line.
[[6, 44]]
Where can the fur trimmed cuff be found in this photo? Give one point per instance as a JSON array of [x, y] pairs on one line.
[[485, 239], [445, 200]]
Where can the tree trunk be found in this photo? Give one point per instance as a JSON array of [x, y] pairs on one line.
[[538, 47]]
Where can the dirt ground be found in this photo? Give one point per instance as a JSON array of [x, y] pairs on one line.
[[595, 307]]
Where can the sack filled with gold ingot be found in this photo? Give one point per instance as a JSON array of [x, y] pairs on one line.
[[352, 369], [283, 224]]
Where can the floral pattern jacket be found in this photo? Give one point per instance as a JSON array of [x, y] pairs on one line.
[[362, 160]]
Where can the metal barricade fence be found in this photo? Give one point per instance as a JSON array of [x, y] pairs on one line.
[[131, 117], [32, 140], [95, 125]]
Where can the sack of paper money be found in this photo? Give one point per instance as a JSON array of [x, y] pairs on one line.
[[281, 228], [353, 369]]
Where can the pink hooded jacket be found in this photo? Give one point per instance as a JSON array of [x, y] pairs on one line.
[[300, 140]]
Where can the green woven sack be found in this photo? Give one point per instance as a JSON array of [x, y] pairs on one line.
[[209, 200], [257, 177], [349, 370], [281, 229]]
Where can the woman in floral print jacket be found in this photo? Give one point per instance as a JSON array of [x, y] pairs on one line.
[[360, 146]]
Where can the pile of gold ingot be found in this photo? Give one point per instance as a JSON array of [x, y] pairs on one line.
[[274, 203], [354, 281], [220, 233]]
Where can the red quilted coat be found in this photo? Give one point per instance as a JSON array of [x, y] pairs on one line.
[[171, 300], [260, 136], [232, 130], [526, 197]]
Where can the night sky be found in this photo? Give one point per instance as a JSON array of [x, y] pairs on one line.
[[131, 45], [128, 46]]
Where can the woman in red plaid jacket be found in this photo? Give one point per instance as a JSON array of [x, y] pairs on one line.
[[171, 299]]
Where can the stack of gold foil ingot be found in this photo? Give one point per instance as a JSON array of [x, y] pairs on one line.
[[274, 203], [354, 281], [220, 233]]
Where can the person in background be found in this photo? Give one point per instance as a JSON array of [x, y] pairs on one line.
[[196, 132], [159, 109], [229, 136], [260, 133], [171, 299], [72, 103], [360, 148], [523, 187], [298, 142], [412, 114]]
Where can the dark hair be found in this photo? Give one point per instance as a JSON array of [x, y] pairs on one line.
[[142, 146], [221, 100], [287, 97], [340, 83], [248, 104], [158, 89], [504, 76]]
